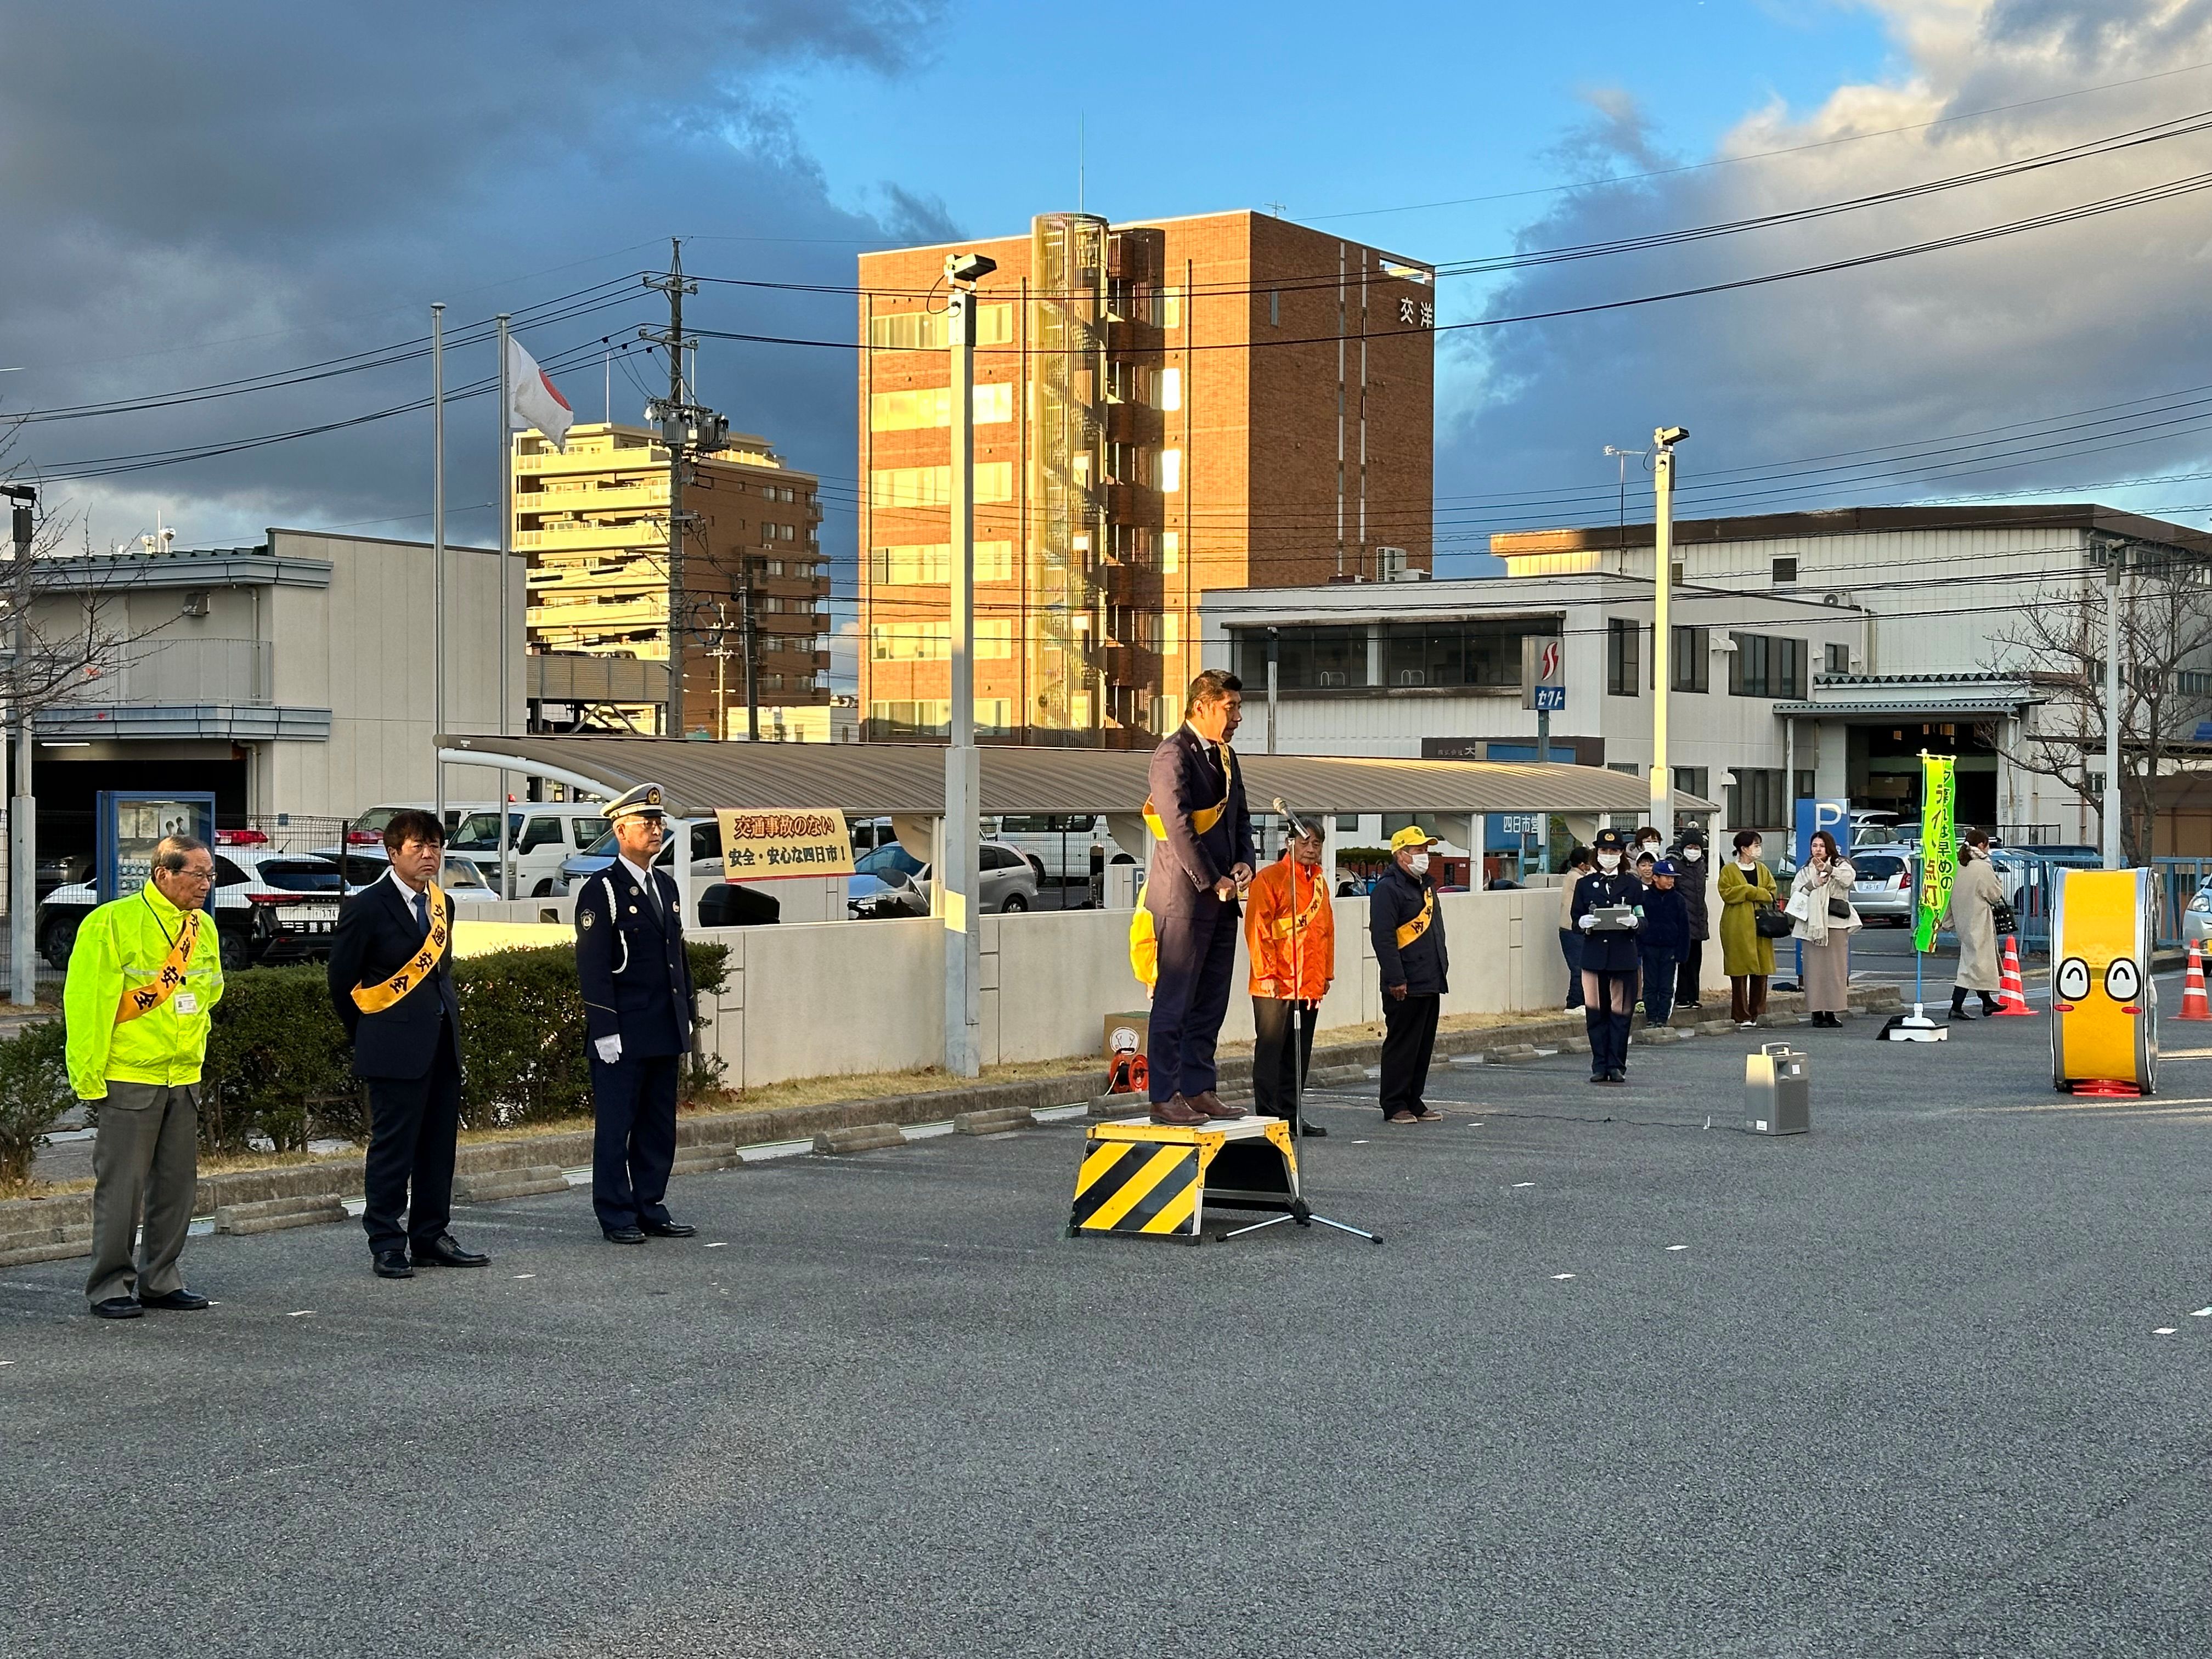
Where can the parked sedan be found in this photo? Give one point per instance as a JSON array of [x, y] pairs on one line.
[[269, 908], [1883, 891], [883, 884], [1006, 882], [2197, 918]]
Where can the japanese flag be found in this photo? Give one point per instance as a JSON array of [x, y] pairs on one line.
[[530, 399]]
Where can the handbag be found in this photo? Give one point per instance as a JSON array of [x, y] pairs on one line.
[[1770, 923], [1839, 909], [2005, 920]]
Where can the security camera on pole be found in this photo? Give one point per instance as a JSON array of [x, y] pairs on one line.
[[1663, 441], [953, 889]]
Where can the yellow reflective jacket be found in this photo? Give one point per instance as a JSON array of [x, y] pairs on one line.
[[119, 947]]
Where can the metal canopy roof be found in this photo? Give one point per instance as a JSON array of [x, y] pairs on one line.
[[873, 779]]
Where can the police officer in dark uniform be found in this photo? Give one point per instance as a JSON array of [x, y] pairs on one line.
[[1610, 958], [637, 996]]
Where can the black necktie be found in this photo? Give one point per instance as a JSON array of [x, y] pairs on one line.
[[423, 913]]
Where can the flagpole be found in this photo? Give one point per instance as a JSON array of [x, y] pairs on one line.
[[505, 535], [438, 540]]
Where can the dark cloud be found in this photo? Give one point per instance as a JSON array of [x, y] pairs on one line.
[[195, 192], [1953, 342]]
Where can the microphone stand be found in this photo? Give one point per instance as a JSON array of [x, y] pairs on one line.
[[1299, 1210]]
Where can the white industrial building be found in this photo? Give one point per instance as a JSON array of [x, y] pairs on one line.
[[297, 676], [1813, 654]]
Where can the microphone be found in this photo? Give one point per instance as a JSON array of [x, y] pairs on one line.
[[1299, 825]]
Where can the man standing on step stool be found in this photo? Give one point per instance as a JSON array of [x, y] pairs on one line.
[[636, 981], [1204, 856]]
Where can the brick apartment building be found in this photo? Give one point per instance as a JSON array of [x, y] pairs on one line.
[[1230, 400], [594, 522]]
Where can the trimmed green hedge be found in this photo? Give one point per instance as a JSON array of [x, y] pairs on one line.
[[34, 1090], [278, 1065]]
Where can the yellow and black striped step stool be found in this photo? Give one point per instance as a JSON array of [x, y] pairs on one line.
[[1145, 1179]]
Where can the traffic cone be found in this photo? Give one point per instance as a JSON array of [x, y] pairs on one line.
[[2012, 998], [2193, 1003]]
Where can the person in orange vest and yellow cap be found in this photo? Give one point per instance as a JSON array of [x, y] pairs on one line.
[[1289, 931]]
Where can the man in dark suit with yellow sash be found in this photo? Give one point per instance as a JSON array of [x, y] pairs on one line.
[[1407, 926], [391, 982], [1202, 857]]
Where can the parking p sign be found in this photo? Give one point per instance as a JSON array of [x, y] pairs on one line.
[[1543, 672]]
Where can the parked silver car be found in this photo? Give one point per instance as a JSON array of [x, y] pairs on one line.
[[1883, 890], [1006, 881]]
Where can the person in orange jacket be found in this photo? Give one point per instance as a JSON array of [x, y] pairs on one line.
[[1290, 930]]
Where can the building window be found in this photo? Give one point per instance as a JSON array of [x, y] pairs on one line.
[[1170, 633], [1766, 666], [1170, 552], [1840, 660], [1171, 307], [1754, 799], [994, 325], [909, 330], [902, 719], [1807, 789], [1170, 471], [1624, 669], [1168, 383], [1691, 667], [1274, 307], [910, 486], [1691, 781], [1785, 570], [919, 641], [930, 563]]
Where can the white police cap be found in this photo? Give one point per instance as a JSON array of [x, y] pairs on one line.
[[645, 798]]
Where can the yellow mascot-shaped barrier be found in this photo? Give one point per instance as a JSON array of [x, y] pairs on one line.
[[2104, 1006]]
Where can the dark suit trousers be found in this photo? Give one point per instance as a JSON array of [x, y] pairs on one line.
[[1279, 1068], [413, 1123], [634, 1138], [1198, 959], [1409, 1039]]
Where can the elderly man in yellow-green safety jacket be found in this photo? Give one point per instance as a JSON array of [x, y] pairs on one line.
[[143, 976]]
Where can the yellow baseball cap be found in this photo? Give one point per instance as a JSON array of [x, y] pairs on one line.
[[1411, 836]]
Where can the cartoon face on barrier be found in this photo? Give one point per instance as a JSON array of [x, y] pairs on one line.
[[2104, 1008]]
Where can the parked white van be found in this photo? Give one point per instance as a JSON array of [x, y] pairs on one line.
[[540, 836]]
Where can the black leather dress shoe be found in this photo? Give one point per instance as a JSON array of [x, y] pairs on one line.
[[1310, 1129], [179, 1300], [666, 1229], [393, 1264], [443, 1252], [623, 1235], [117, 1307]]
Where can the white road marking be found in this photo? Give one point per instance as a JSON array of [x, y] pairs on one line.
[[302, 1313], [526, 1275], [1058, 1113], [7, 1362], [2202, 1313], [1524, 1183], [1677, 1247], [1563, 1275], [720, 1244], [2163, 1330]]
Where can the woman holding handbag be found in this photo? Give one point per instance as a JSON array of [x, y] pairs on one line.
[[1748, 919], [1821, 921]]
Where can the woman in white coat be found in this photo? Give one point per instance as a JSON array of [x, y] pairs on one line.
[[1821, 922], [1977, 895]]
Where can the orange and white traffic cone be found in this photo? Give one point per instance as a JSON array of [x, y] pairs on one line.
[[2012, 997], [2193, 1003]]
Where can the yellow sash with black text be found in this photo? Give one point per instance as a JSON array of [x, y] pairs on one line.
[[1144, 942], [375, 999], [1408, 931], [168, 981]]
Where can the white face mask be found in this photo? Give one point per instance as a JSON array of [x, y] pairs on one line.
[[1749, 858], [1608, 862], [1420, 864], [1692, 854]]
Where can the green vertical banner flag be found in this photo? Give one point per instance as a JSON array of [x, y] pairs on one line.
[[1939, 846]]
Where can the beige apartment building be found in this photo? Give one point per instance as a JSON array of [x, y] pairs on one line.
[[1162, 407], [593, 522]]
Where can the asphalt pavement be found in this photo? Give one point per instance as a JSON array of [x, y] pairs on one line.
[[1621, 1379]]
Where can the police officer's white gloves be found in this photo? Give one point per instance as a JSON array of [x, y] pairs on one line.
[[1586, 922], [609, 1049]]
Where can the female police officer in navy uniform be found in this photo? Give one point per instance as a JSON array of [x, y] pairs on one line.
[[637, 996], [1610, 960]]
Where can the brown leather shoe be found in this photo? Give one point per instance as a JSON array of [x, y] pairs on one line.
[[1210, 1103], [1177, 1113]]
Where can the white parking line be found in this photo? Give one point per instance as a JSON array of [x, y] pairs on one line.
[[1563, 1275], [2163, 1330], [1677, 1247]]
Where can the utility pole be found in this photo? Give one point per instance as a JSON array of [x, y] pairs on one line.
[[1274, 642], [674, 429], [954, 885], [1663, 584], [2115, 558], [22, 806], [506, 537], [751, 619], [438, 541]]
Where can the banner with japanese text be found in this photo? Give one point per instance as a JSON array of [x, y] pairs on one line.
[[775, 845], [1939, 846]]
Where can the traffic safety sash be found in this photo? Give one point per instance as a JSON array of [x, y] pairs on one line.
[[1205, 816], [1413, 930], [165, 984], [375, 999], [1296, 920]]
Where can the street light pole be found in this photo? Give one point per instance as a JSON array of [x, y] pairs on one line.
[[1274, 643], [506, 537], [954, 895], [1663, 441], [438, 542]]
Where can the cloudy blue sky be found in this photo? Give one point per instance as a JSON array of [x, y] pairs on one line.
[[195, 195]]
